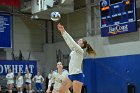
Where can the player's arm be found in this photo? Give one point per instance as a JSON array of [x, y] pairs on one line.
[[25, 77], [42, 79], [22, 80], [50, 83], [13, 75], [69, 40], [16, 80], [33, 79]]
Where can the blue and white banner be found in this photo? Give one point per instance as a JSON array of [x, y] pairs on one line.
[[5, 31], [119, 29], [17, 66]]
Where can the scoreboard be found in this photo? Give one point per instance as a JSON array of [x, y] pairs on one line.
[[117, 17]]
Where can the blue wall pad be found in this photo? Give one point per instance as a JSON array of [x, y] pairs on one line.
[[112, 74]]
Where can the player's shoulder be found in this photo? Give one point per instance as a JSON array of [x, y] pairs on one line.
[[41, 76], [35, 76], [11, 74], [55, 72], [64, 70]]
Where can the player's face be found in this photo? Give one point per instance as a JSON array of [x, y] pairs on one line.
[[38, 73], [9, 70], [27, 71], [80, 42], [59, 65], [18, 73], [51, 71]]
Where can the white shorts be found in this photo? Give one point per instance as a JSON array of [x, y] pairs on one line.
[[19, 85]]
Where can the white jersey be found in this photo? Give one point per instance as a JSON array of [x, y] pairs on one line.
[[10, 78], [28, 78], [19, 81], [38, 79], [76, 54], [49, 76], [57, 79]]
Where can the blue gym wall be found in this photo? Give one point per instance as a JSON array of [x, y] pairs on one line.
[[112, 74]]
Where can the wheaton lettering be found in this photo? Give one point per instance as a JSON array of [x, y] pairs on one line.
[[16, 68]]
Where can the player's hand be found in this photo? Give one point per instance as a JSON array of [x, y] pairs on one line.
[[60, 28], [48, 91]]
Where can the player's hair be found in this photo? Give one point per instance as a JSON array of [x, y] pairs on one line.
[[89, 49], [9, 69], [18, 75]]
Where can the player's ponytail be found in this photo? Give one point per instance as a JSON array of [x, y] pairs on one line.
[[89, 49]]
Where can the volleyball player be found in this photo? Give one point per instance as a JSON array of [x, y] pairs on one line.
[[28, 81], [38, 79], [75, 77], [57, 77], [19, 82], [10, 80]]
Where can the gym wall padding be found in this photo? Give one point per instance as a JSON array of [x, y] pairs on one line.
[[112, 74]]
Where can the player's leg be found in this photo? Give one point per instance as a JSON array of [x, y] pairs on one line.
[[66, 84], [78, 80], [77, 86]]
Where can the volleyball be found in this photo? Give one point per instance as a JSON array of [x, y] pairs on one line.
[[55, 16]]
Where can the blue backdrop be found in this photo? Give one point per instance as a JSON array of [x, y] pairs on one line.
[[17, 66], [112, 74]]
